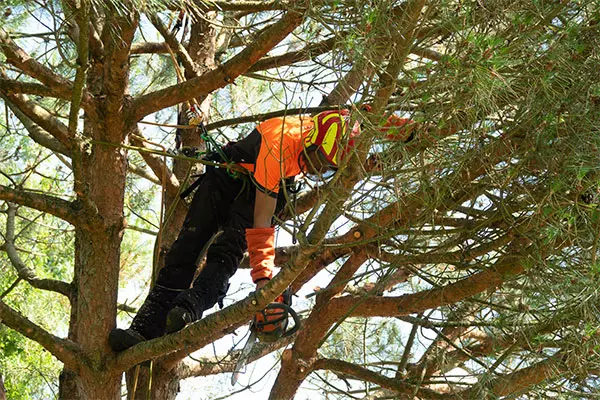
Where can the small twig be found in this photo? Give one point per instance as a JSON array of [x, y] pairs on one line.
[[408, 347], [10, 289]]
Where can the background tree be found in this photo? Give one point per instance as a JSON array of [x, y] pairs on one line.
[[459, 262]]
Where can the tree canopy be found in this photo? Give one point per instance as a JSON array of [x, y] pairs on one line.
[[454, 259]]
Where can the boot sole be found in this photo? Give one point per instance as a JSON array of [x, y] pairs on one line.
[[122, 339]]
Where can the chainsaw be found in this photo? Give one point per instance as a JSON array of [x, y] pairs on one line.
[[268, 326]]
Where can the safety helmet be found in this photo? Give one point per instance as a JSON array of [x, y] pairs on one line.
[[328, 136]]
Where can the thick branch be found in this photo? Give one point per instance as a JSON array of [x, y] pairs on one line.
[[244, 5], [143, 173], [321, 260], [41, 117], [309, 52], [158, 166], [21, 60], [174, 45], [117, 37], [272, 114], [11, 86], [339, 281], [43, 138], [506, 267], [22, 270], [201, 333], [427, 53], [149, 48], [52, 205], [39, 135], [348, 85], [74, 22], [65, 350], [220, 77]]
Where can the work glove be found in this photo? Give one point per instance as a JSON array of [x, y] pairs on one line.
[[261, 248]]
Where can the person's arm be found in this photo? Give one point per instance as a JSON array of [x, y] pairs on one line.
[[268, 172], [264, 208], [261, 239]]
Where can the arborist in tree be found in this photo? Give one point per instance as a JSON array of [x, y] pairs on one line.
[[242, 209]]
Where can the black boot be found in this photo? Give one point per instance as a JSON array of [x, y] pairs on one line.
[[187, 308], [122, 339], [178, 318], [149, 322], [190, 304]]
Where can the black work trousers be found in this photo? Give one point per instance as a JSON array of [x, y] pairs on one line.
[[221, 204]]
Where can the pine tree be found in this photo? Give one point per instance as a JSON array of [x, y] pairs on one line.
[[459, 254]]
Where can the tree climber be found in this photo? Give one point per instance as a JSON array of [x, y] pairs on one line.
[[241, 208]]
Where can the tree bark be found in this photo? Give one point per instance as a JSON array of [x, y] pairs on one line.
[[97, 259], [99, 182]]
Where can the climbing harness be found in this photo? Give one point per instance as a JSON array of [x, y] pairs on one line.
[[212, 147]]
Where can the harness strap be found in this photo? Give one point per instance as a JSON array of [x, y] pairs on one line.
[[191, 188]]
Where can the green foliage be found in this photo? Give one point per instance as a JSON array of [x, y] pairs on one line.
[[362, 340], [44, 244], [12, 13], [29, 372]]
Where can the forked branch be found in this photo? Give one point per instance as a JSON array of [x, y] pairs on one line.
[[23, 271]]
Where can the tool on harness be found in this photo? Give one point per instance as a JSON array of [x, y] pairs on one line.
[[211, 144], [196, 118], [268, 326], [214, 152]]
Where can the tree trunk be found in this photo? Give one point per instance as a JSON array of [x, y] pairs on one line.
[[97, 252], [68, 385], [164, 384]]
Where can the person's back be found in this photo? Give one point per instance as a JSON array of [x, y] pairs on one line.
[[271, 151]]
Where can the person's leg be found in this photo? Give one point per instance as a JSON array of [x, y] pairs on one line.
[[222, 260], [200, 224]]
